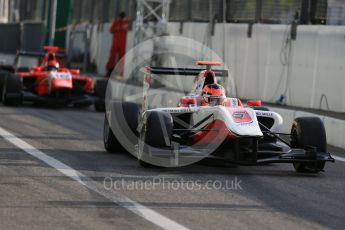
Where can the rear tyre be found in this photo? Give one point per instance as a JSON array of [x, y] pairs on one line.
[[3, 75], [12, 90], [262, 108], [309, 132], [122, 134], [100, 91]]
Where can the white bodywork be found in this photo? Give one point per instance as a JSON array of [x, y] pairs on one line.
[[240, 121], [250, 128]]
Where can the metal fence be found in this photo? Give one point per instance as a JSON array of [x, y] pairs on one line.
[[273, 11], [33, 10], [9, 44], [335, 12], [241, 11], [277, 11], [205, 10], [261, 11], [20, 36], [97, 11]]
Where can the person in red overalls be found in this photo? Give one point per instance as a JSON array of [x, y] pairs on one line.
[[119, 30]]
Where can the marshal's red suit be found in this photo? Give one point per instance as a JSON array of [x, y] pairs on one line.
[[119, 30]]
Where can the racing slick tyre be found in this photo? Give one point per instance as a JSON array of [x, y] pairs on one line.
[[159, 128], [157, 133], [100, 91], [309, 132], [111, 144], [124, 122], [262, 108], [3, 75], [12, 90]]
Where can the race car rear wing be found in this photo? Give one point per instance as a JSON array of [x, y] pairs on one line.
[[183, 71], [34, 54], [38, 54], [171, 71]]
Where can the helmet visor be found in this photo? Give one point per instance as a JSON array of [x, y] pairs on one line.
[[214, 101]]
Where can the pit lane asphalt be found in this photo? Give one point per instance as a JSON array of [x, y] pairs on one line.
[[37, 196]]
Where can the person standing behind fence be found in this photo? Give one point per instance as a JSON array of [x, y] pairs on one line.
[[118, 48]]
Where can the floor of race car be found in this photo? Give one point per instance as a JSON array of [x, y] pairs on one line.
[[66, 189]]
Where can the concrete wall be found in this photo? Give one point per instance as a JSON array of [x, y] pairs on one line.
[[317, 63], [316, 67]]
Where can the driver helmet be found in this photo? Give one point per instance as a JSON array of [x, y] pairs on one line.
[[213, 94], [52, 65]]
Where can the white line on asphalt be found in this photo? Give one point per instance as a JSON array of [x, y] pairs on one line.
[[118, 198], [338, 158]]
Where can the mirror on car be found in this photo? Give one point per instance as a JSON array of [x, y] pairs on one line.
[[75, 71], [254, 103], [37, 69]]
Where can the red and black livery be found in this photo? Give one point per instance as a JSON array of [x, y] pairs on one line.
[[49, 83]]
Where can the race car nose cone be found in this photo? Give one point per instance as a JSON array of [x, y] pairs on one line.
[[241, 121]]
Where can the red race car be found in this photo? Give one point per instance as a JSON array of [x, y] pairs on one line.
[[50, 84]]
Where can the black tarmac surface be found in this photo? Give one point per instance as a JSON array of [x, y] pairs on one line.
[[207, 195]]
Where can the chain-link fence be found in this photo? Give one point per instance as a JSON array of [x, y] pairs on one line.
[[30, 10], [241, 11], [176, 14], [205, 10], [335, 12], [279, 11], [237, 11], [96, 11]]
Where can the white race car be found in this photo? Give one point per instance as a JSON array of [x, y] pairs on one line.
[[207, 124]]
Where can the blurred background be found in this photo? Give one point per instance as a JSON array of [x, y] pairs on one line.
[[290, 52]]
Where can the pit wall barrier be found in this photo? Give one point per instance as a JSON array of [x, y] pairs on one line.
[[312, 77]]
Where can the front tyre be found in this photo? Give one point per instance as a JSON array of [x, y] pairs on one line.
[[3, 75], [159, 129], [261, 108], [156, 134], [111, 144], [120, 131], [309, 132], [12, 90]]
